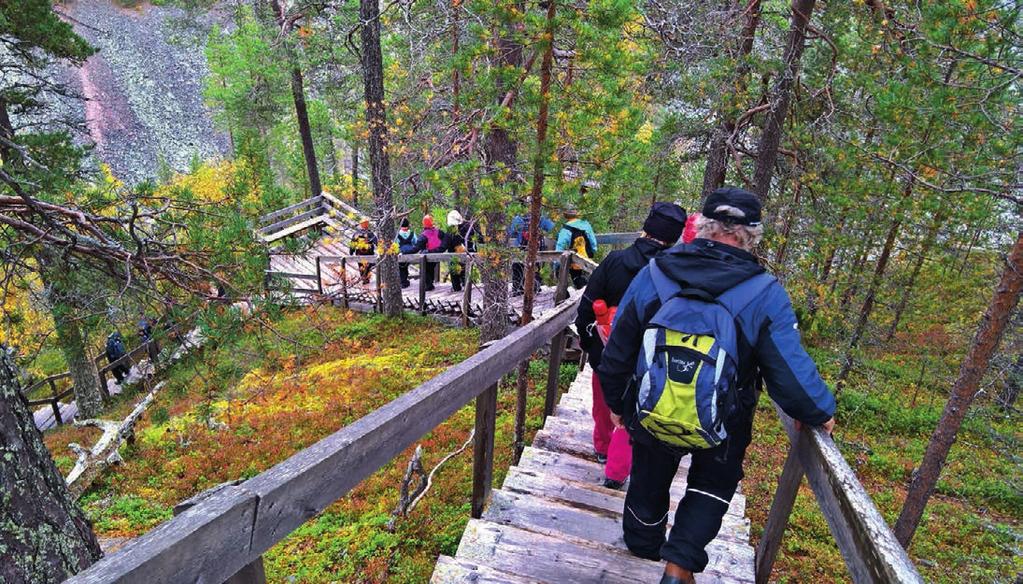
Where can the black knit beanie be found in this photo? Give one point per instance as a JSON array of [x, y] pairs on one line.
[[665, 222]]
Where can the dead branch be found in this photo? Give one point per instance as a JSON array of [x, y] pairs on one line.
[[92, 462]]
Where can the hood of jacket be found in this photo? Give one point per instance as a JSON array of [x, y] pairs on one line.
[[635, 257], [708, 265]]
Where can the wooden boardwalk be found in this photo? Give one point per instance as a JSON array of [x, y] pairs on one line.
[[441, 300], [552, 521]]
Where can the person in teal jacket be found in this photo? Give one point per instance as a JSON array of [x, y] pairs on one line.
[[577, 235]]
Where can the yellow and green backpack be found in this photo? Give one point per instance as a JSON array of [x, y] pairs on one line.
[[687, 372]]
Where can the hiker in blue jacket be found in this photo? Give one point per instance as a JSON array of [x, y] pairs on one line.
[[115, 350], [519, 231], [577, 235], [769, 348], [406, 240]]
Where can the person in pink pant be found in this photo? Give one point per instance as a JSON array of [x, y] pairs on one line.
[[606, 287], [610, 441]]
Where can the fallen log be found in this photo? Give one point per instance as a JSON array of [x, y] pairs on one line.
[[91, 462]]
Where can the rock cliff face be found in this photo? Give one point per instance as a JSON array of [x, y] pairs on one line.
[[143, 89]]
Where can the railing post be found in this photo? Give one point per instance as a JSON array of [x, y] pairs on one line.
[[422, 285], [467, 293], [54, 404], [379, 295], [483, 449], [319, 277], [561, 292], [778, 518], [558, 342], [344, 281]]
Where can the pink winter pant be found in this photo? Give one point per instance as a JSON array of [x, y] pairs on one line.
[[608, 440]]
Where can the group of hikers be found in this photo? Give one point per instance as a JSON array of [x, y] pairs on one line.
[[683, 336], [461, 236], [684, 329], [115, 349]]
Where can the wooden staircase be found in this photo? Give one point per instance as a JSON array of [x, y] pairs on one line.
[[552, 521]]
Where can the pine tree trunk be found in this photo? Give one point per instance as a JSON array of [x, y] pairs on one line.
[[376, 119], [717, 159], [907, 289], [985, 342], [535, 198], [770, 140], [1013, 382], [305, 132], [875, 283], [84, 376], [44, 535], [355, 173], [500, 161]]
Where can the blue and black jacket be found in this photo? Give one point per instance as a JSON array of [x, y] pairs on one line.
[[769, 341]]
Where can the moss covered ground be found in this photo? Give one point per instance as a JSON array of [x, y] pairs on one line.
[[238, 407]]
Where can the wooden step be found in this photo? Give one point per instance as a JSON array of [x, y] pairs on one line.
[[460, 570], [564, 558]]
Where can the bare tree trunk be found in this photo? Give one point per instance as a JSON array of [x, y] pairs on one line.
[[88, 393], [305, 132], [985, 342], [1013, 382], [355, 173], [770, 140], [84, 376], [717, 158], [44, 535], [875, 283], [376, 119], [301, 113], [500, 161], [535, 198], [907, 289]]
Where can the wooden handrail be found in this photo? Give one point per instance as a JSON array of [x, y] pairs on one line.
[[871, 552], [270, 217], [230, 529]]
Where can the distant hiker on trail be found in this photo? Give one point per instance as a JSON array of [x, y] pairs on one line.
[[577, 235], [406, 240], [146, 334], [605, 289], [115, 350], [431, 240], [461, 238], [364, 242], [696, 330], [519, 231]]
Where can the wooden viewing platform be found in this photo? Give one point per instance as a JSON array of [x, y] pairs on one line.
[[552, 521]]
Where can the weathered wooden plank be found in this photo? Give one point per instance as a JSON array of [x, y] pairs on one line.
[[600, 524], [462, 571], [778, 517], [871, 552], [273, 231], [563, 436], [623, 238], [301, 486], [483, 450], [563, 558], [207, 543], [592, 495], [313, 201]]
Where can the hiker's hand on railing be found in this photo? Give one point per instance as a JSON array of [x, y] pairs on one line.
[[828, 426]]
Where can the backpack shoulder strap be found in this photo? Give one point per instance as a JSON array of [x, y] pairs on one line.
[[665, 286], [738, 297]]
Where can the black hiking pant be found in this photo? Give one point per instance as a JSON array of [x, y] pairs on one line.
[[519, 278], [457, 275], [713, 477], [578, 278], [403, 275]]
